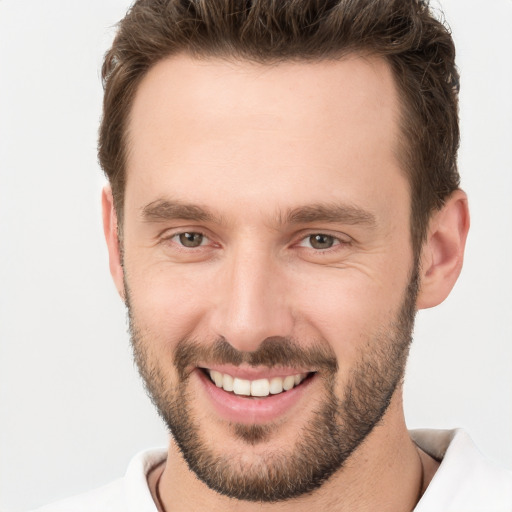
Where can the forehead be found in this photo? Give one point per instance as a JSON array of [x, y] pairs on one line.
[[231, 127]]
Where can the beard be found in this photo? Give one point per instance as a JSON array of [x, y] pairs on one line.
[[338, 424]]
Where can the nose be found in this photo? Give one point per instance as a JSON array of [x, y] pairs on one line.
[[252, 300]]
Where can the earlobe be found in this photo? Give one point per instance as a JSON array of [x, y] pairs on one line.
[[110, 229], [442, 253]]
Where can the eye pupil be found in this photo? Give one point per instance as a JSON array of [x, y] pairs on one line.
[[191, 239], [321, 241]]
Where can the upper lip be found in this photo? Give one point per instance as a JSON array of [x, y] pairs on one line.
[[254, 373]]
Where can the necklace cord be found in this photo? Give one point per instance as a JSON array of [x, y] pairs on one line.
[[159, 503]]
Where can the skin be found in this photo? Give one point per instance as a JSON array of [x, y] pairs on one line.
[[250, 143]]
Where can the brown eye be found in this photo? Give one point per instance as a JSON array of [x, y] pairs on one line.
[[320, 241], [191, 239]]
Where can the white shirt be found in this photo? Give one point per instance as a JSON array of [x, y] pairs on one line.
[[464, 482]]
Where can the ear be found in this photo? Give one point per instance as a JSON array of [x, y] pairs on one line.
[[112, 239], [442, 253]]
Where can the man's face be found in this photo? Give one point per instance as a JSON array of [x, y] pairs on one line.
[[266, 245]]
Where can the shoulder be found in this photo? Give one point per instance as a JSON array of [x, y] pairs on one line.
[[130, 493], [107, 498], [465, 480]]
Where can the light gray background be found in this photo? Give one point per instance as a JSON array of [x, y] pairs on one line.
[[72, 410]]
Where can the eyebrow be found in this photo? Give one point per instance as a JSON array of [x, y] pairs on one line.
[[165, 210], [162, 210], [333, 213]]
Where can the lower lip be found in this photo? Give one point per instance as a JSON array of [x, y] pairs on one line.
[[249, 410]]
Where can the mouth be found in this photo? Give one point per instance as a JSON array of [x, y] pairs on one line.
[[255, 396], [258, 388]]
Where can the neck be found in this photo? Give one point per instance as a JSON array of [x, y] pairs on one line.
[[387, 473]]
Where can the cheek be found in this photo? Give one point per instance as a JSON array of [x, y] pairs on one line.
[[168, 303], [347, 309]]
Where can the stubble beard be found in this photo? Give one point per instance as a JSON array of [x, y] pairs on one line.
[[337, 426]]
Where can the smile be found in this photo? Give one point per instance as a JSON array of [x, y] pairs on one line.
[[248, 395], [258, 387]]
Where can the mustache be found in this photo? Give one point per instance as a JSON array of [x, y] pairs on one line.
[[273, 351]]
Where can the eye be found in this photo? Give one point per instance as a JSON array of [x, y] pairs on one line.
[[190, 239], [320, 241]]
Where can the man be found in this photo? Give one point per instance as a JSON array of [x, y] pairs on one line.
[[283, 197]]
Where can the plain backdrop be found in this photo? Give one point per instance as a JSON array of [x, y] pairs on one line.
[[72, 408]]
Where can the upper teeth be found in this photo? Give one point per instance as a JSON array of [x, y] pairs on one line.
[[259, 387]]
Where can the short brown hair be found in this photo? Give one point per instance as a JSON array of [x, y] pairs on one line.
[[418, 47]]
